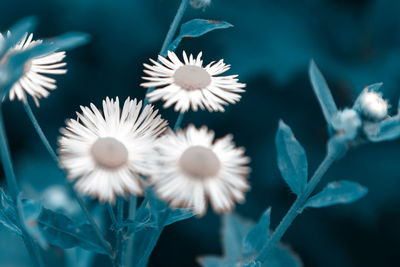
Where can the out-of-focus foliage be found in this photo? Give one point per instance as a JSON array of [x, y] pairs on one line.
[[243, 240]]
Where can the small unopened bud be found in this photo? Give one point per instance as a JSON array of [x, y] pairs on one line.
[[200, 3], [348, 122], [372, 105]]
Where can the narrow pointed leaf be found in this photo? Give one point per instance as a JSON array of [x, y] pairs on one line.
[[322, 92], [196, 28], [292, 159], [258, 235], [338, 192]]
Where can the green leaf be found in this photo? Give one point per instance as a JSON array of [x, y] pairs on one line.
[[292, 159], [338, 192], [196, 28]]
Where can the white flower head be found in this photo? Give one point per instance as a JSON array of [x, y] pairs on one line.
[[188, 84], [193, 168], [33, 82], [107, 151], [347, 121], [372, 105]]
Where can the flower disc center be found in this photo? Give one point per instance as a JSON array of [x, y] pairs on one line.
[[191, 77], [199, 162], [109, 153]]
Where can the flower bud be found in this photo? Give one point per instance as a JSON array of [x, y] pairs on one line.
[[372, 105], [347, 121], [200, 3]]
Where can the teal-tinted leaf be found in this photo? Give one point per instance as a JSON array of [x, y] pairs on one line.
[[77, 257], [176, 215], [386, 130], [213, 261], [258, 235], [18, 30], [30, 212], [61, 231], [196, 28], [322, 92], [8, 213], [234, 230], [291, 157], [374, 87], [69, 40], [153, 214], [338, 192]]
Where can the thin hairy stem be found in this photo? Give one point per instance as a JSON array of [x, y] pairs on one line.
[[31, 246], [81, 202], [179, 121], [295, 209], [171, 33]]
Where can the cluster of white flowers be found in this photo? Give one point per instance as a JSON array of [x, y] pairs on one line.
[[107, 152]]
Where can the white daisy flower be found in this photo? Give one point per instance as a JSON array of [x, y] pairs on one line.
[[106, 152], [33, 81], [193, 168], [190, 85]]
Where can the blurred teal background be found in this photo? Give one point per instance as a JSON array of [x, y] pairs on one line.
[[354, 42]]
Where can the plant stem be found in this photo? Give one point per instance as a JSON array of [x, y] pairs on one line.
[[31, 246], [81, 202], [171, 33], [179, 121], [295, 209], [129, 245], [120, 232], [153, 240]]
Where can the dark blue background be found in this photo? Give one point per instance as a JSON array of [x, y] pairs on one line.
[[355, 43]]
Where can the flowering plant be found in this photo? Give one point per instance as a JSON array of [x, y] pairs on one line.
[[145, 175]]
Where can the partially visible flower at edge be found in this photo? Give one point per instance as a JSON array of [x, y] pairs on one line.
[[192, 168], [106, 152], [190, 85], [32, 81]]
